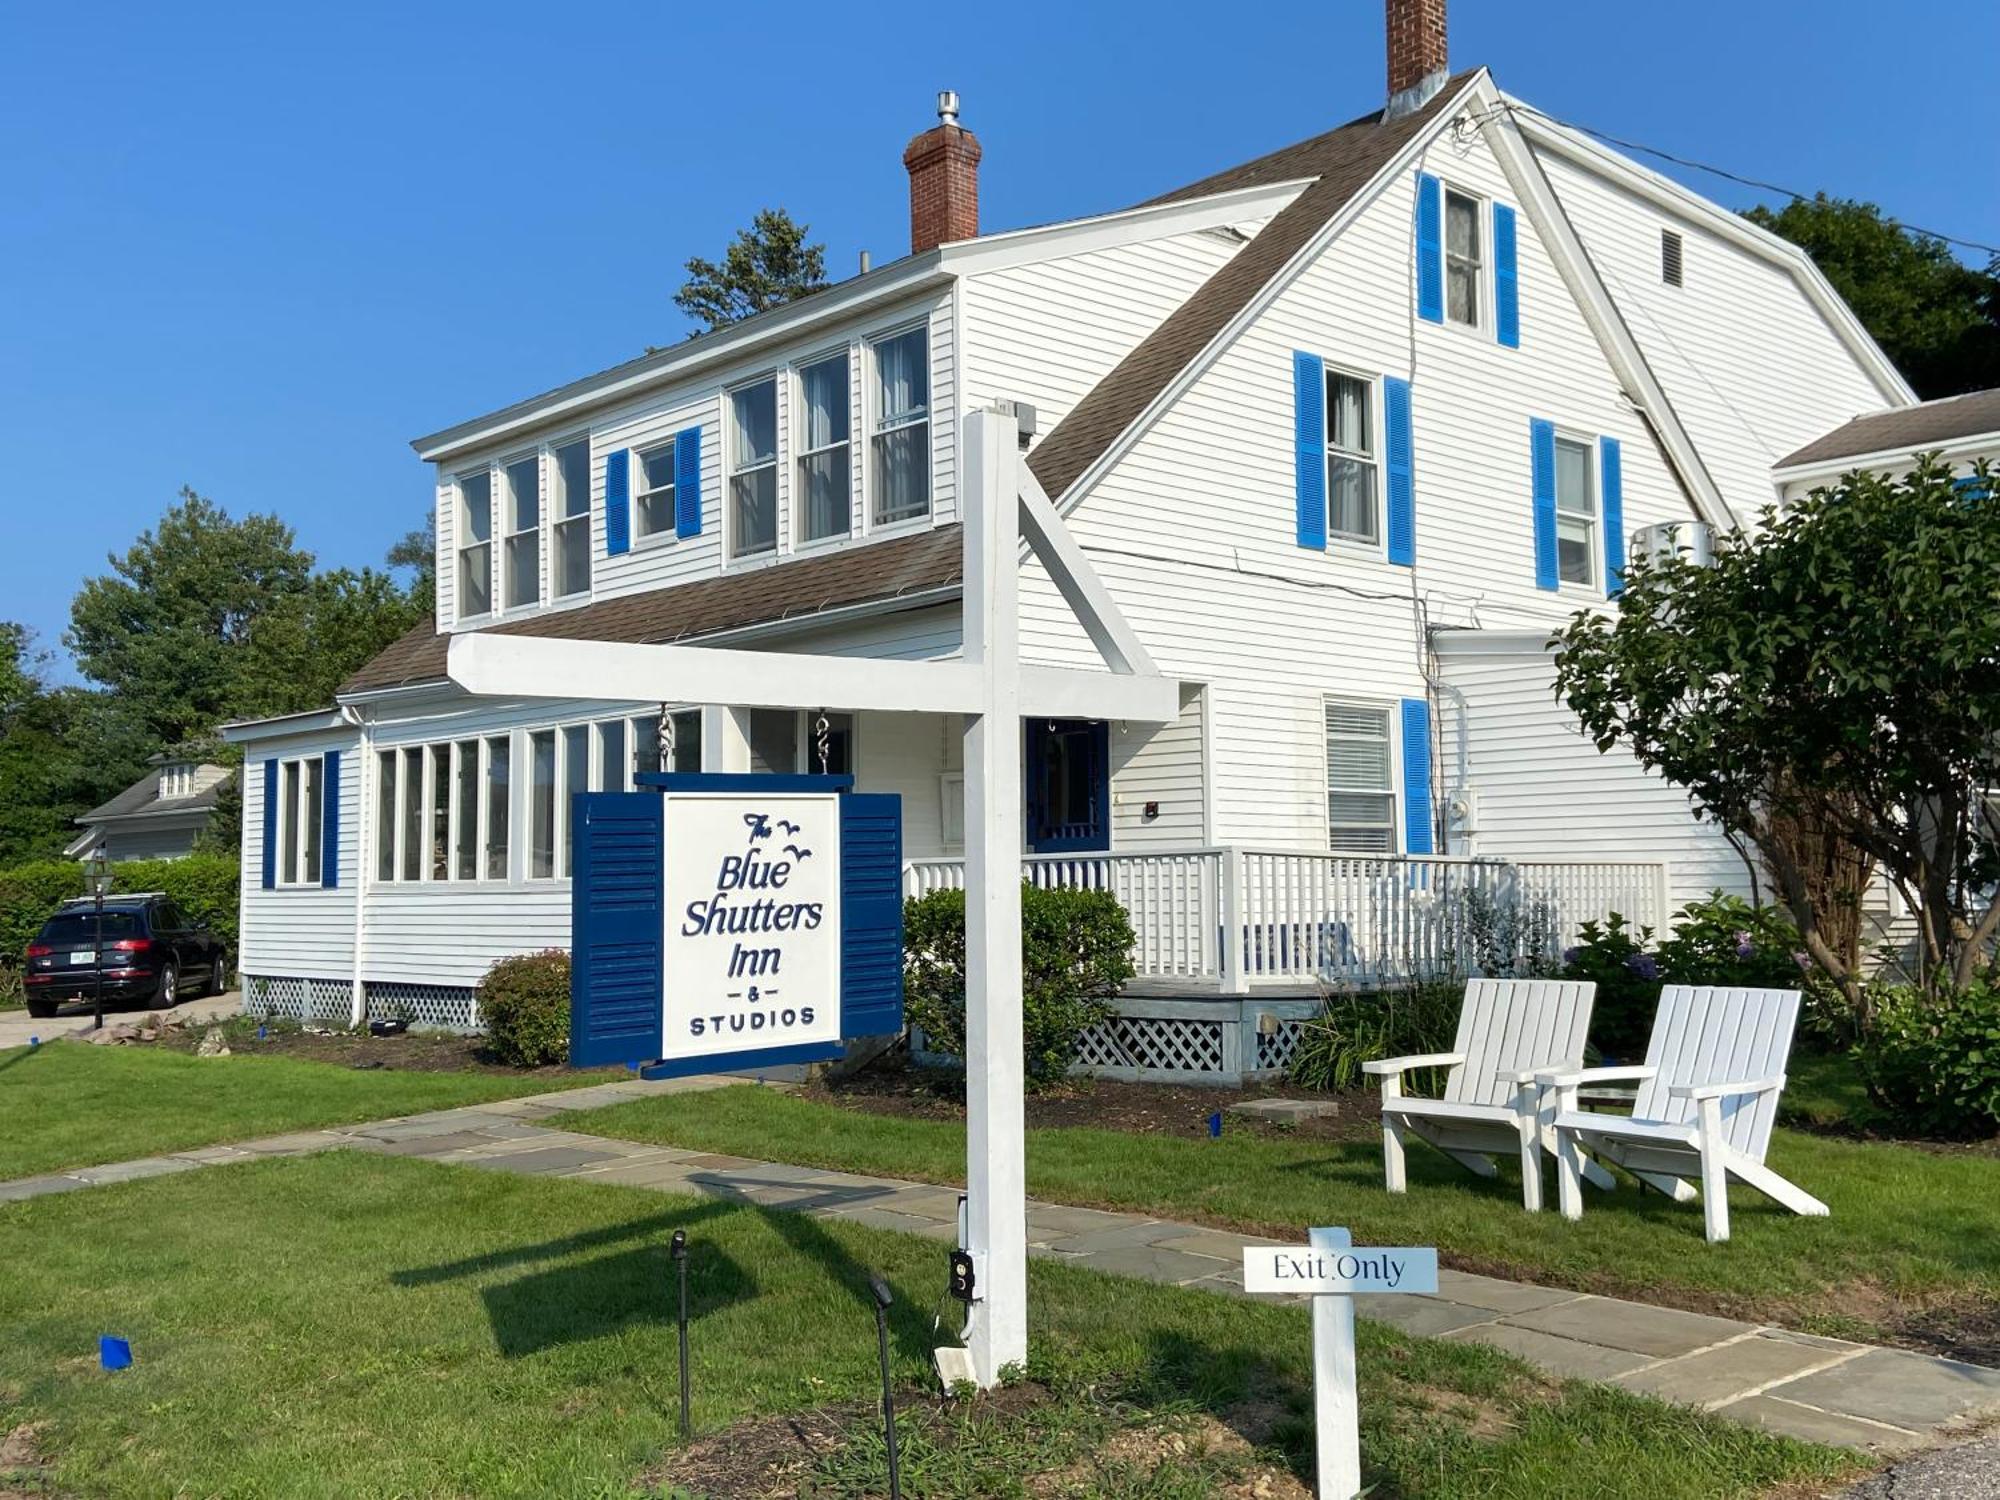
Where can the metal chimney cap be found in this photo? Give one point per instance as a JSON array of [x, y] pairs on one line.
[[948, 106]]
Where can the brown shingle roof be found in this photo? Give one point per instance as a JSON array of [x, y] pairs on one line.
[[1904, 429], [854, 575]]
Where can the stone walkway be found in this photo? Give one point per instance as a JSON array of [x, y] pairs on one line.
[[1821, 1389]]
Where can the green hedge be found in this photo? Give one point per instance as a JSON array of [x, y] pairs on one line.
[[204, 886]]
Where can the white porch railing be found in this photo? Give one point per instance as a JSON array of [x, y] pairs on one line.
[[1231, 917]]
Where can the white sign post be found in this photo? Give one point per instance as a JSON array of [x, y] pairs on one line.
[[1333, 1273]]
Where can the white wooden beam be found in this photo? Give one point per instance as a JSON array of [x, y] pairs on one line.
[[1077, 581]]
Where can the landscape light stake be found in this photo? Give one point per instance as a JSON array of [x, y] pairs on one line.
[[679, 1251], [100, 878], [882, 1300]]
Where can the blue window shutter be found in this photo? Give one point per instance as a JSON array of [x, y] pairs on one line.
[[1416, 776], [1542, 438], [1309, 441], [618, 501], [687, 482], [617, 926], [1402, 471], [1506, 279], [329, 820], [1612, 462], [270, 878], [871, 914], [1430, 248]]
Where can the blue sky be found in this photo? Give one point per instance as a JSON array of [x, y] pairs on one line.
[[257, 248]]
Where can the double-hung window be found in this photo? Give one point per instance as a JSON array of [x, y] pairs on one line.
[[1463, 262], [1576, 514], [475, 544], [541, 804], [1350, 458], [753, 468], [299, 822], [524, 531], [499, 799], [824, 485], [902, 441], [569, 571], [1360, 789], [385, 814], [465, 844], [654, 504]]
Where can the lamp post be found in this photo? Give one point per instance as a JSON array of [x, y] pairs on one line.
[[100, 882]]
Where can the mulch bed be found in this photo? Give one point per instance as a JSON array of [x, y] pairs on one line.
[[413, 1052]]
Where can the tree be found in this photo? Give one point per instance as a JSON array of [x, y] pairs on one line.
[[765, 266], [63, 750], [1842, 668], [299, 651], [1937, 318], [417, 551]]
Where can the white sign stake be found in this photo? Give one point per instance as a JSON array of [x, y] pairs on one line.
[[1332, 1272]]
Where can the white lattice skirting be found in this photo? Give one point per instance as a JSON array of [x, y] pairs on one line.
[[296, 998]]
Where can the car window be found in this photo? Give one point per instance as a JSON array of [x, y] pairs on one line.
[[167, 917], [78, 929]]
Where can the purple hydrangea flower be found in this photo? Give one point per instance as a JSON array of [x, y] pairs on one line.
[[1744, 947], [1644, 965], [1570, 955]]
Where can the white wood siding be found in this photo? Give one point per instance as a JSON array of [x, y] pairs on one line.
[[298, 930], [1163, 766]]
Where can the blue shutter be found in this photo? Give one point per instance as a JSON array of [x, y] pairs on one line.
[[618, 501], [1309, 442], [1506, 279], [1542, 438], [616, 928], [1430, 248], [270, 824], [1612, 462], [1402, 472], [871, 914], [687, 482], [1416, 776], [329, 820]]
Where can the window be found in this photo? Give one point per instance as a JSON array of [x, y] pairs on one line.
[[753, 468], [298, 822], [498, 799], [570, 563], [646, 745], [774, 740], [541, 804], [524, 531], [1670, 257], [687, 740], [1461, 259], [655, 504], [823, 447], [475, 544], [465, 851], [410, 791], [1350, 457], [440, 819], [576, 778], [613, 773], [1576, 514], [902, 443], [1360, 792], [176, 781], [385, 815]]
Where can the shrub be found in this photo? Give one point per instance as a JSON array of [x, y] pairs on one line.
[[1723, 939], [524, 1001], [203, 885], [1931, 1060], [1353, 1029], [1627, 979], [1076, 950]]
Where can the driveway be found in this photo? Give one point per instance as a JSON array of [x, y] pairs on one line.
[[17, 1027]]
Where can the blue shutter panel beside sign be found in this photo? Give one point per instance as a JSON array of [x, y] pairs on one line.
[[618, 501], [1430, 248], [1542, 438], [871, 914], [270, 824], [1416, 776], [616, 927], [1309, 442], [687, 482], [1506, 279], [329, 820], [1612, 462], [1402, 472]]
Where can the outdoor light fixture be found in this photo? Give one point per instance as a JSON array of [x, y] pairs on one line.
[[100, 887], [678, 1249], [880, 1289]]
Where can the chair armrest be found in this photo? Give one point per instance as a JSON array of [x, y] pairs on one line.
[[1700, 1091], [1518, 1076], [1569, 1078], [1423, 1060]]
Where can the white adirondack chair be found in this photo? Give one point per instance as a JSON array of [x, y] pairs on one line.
[[1509, 1030], [1708, 1096]]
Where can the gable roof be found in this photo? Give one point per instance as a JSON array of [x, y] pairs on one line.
[[1904, 429], [1340, 164], [142, 798]]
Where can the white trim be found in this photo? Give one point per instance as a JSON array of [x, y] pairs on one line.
[[1016, 247], [1983, 443], [1447, 641], [311, 721]]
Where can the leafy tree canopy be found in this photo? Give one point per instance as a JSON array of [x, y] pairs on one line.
[[307, 643], [1937, 318], [765, 266], [417, 551], [62, 751]]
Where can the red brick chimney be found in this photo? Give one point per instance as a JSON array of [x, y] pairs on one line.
[[943, 164], [1419, 59]]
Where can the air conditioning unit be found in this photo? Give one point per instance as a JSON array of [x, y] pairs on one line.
[[1694, 541]]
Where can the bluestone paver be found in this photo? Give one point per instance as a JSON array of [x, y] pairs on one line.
[[1658, 1331], [1725, 1372], [1811, 1425], [1905, 1390], [1568, 1358]]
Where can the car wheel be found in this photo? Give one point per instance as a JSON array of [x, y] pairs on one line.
[[218, 974], [41, 1010], [168, 995]]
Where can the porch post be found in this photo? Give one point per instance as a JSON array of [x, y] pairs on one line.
[[725, 738], [996, 1175], [1235, 981]]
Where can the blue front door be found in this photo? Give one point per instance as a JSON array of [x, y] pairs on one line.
[[1068, 785]]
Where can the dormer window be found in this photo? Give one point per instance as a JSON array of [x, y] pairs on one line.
[[176, 780]]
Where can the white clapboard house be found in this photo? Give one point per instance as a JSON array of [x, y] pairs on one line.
[[1346, 430]]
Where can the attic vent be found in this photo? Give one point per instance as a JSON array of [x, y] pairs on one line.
[[1670, 257]]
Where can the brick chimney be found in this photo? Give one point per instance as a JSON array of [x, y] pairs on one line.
[[1419, 59], [943, 164]]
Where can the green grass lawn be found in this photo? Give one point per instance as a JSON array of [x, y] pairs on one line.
[[352, 1326], [1910, 1229], [69, 1105]]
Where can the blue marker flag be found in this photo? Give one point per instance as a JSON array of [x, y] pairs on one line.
[[114, 1353], [1215, 1126]]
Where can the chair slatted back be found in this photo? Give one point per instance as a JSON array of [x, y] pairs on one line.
[[1516, 1023], [1717, 1034]]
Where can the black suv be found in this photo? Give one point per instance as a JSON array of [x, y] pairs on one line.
[[151, 952]]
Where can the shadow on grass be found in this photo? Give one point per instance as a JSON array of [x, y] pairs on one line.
[[20, 1056]]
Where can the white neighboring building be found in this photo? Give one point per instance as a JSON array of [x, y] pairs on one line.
[[159, 816], [1347, 430]]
